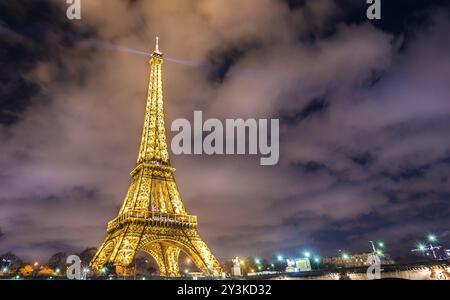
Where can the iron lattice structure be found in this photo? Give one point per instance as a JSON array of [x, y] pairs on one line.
[[153, 218]]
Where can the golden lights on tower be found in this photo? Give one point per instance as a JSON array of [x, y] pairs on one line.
[[153, 218]]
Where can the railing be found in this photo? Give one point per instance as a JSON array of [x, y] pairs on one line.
[[152, 216]]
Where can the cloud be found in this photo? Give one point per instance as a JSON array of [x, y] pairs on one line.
[[360, 111]]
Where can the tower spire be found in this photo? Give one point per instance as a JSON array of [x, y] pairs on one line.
[[153, 148], [157, 46]]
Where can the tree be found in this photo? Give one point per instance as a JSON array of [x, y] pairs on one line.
[[10, 260], [86, 256], [26, 271], [58, 261], [46, 271], [227, 265], [249, 265]]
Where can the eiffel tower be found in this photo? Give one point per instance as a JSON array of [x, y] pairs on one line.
[[153, 218]]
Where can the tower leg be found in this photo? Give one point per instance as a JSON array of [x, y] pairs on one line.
[[103, 254], [206, 260], [124, 254], [166, 258], [118, 249], [172, 254]]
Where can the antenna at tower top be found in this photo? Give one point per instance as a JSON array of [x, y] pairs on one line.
[[157, 45]]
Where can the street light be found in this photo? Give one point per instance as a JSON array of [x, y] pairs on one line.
[[421, 247], [307, 254], [380, 244], [316, 259], [5, 269], [85, 272], [257, 261], [280, 258], [345, 256], [432, 238]]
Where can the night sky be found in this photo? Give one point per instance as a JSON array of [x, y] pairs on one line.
[[364, 111]]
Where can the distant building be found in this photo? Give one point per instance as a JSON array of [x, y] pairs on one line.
[[298, 265], [262, 273], [354, 260]]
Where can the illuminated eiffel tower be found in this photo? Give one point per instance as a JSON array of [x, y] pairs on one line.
[[152, 218]]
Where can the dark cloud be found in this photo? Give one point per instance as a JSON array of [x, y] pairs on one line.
[[363, 106], [311, 166], [31, 33], [363, 159], [314, 107], [222, 60]]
